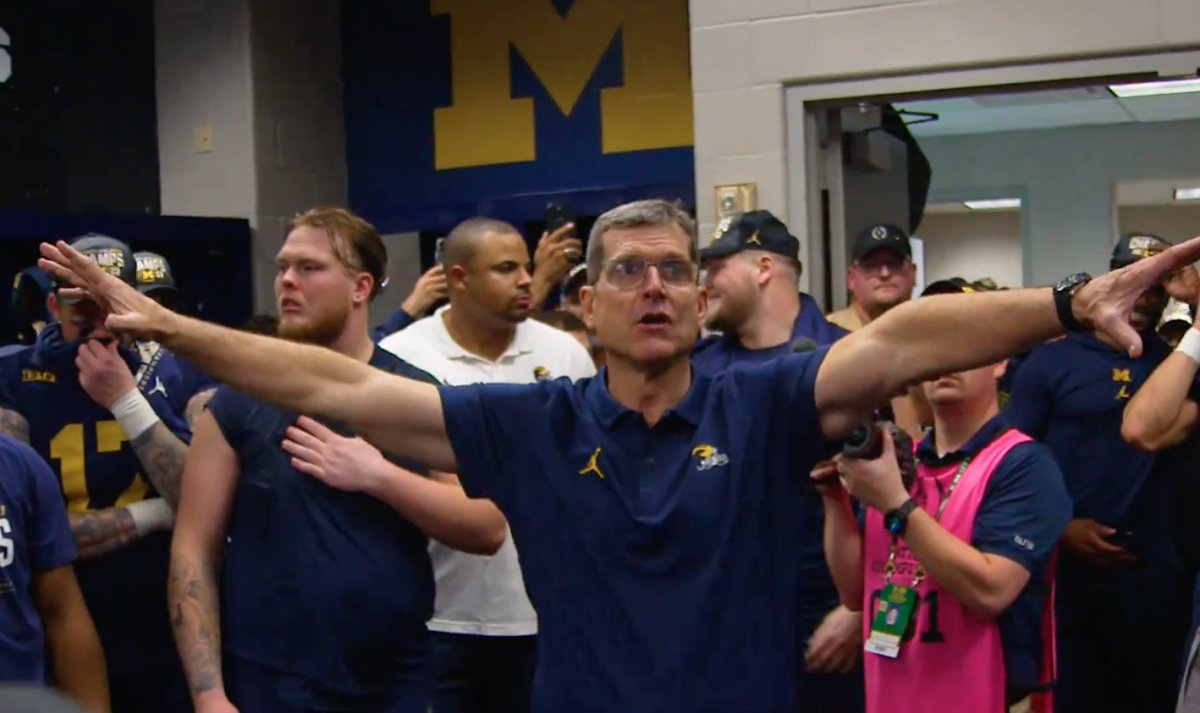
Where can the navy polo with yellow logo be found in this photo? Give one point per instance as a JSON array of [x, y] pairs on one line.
[[1071, 394], [660, 559]]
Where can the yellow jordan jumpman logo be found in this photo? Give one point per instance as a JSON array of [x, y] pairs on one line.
[[753, 239], [593, 466]]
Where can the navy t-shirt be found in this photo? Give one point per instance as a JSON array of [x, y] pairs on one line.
[[331, 589], [1071, 395], [1025, 509], [97, 469], [714, 354], [34, 538], [661, 560]]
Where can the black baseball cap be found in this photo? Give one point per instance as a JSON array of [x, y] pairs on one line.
[[112, 255], [753, 230], [952, 286], [1132, 247], [880, 235], [153, 273]]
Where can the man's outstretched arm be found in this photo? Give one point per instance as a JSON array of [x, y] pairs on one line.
[[397, 414], [944, 334]]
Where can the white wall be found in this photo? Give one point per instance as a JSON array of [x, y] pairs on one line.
[[973, 246], [265, 75], [1067, 179], [743, 52], [989, 244], [1175, 223]]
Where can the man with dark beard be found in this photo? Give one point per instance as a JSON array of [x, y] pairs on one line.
[[1123, 596], [326, 584], [484, 626]]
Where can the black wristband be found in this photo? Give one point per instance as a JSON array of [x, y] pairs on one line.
[[1064, 294]]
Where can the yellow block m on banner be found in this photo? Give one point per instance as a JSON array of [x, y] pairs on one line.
[[486, 125]]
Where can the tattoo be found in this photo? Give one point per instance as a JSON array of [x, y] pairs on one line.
[[196, 405], [14, 424], [196, 619], [101, 532], [162, 455]]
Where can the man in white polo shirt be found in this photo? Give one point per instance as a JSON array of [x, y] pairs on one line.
[[484, 626]]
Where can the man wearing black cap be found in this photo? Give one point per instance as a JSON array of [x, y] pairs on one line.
[[30, 288], [881, 275], [102, 418], [156, 280], [1123, 591], [751, 269]]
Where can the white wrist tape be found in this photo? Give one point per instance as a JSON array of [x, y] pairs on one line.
[[151, 516], [134, 413], [1190, 345]]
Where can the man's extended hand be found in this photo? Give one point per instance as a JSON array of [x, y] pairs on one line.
[[430, 288], [1088, 540], [1106, 302], [130, 312], [875, 483], [837, 642], [103, 374], [349, 464]]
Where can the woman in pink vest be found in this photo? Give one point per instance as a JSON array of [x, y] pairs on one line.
[[953, 570]]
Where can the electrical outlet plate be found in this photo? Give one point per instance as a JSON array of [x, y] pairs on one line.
[[202, 139], [735, 198]]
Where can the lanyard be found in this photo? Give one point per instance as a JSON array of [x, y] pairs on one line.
[[919, 574]]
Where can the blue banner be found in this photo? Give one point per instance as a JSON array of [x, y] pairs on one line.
[[463, 107]]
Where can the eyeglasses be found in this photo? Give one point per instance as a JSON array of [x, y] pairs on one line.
[[630, 272]]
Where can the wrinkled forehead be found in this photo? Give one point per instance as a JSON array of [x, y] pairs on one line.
[[650, 242]]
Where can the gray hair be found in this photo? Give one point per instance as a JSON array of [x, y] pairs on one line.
[[638, 214]]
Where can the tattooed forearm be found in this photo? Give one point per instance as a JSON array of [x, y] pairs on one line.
[[101, 532], [196, 405], [196, 620], [14, 424], [162, 455]]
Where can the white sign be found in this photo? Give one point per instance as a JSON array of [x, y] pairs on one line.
[[918, 258], [5, 57]]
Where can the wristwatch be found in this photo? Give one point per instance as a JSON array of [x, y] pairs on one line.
[[896, 520], [1064, 292]]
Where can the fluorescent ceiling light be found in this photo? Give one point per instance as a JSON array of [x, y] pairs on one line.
[[1154, 89], [998, 204], [1187, 194]]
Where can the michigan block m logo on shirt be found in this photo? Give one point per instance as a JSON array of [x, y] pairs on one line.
[[486, 125]]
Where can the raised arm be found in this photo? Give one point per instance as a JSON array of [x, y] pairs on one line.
[[1161, 414], [398, 415], [209, 481], [944, 334]]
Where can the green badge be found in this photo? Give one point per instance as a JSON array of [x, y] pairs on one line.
[[890, 620]]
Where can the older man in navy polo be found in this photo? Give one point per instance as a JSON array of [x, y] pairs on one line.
[[657, 509]]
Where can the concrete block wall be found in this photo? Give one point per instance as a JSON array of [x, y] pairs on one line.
[[743, 53], [265, 76]]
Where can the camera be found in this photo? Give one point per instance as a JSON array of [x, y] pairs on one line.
[[866, 443]]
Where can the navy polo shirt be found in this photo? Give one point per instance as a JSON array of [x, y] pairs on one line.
[[329, 589], [716, 353], [1025, 509], [660, 559], [34, 537], [97, 468], [1071, 395]]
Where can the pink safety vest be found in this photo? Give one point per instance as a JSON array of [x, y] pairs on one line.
[[954, 661]]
